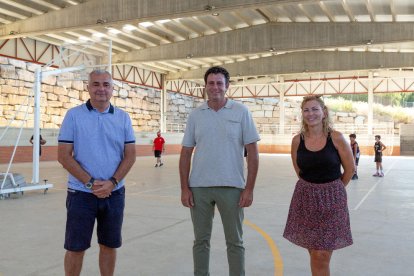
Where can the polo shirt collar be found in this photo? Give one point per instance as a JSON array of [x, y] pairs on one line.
[[110, 109], [229, 104]]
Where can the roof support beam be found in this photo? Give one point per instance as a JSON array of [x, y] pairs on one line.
[[112, 13], [307, 62], [281, 37]]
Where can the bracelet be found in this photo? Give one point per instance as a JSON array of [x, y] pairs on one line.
[[114, 181]]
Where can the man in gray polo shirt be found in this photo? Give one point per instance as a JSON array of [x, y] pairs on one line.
[[97, 148], [219, 130]]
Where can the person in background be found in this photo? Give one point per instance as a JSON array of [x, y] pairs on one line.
[[355, 152], [158, 147], [97, 148], [318, 218], [379, 147], [41, 143], [218, 130]]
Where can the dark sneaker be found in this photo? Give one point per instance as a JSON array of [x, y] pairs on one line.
[[161, 164], [354, 177], [156, 165]]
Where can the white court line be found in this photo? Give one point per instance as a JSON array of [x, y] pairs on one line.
[[373, 188]]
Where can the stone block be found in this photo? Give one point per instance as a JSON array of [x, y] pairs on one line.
[[259, 113], [341, 114], [19, 108], [56, 119], [24, 91], [46, 88], [25, 75], [17, 63], [63, 98], [268, 114], [78, 85], [14, 99], [75, 101], [59, 90], [8, 71], [7, 89], [73, 94], [120, 102], [51, 97], [29, 84], [50, 80], [67, 105], [268, 107], [84, 96], [123, 93], [271, 101], [4, 60], [53, 111], [32, 66], [55, 104], [346, 119]]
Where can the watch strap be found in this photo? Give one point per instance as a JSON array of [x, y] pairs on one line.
[[114, 181]]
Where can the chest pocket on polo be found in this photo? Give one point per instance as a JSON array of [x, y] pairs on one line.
[[233, 128]]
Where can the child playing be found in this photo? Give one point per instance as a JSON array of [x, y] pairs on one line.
[[355, 152], [379, 147]]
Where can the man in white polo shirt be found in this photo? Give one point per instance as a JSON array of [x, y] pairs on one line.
[[97, 148], [219, 130]]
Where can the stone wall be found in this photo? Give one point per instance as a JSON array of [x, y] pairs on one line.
[[142, 103], [16, 89]]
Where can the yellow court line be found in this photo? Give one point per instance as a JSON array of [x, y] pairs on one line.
[[277, 259]]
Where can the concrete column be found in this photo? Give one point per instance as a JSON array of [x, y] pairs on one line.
[[163, 104], [282, 106], [370, 103]]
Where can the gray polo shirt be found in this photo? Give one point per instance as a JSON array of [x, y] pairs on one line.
[[219, 139], [98, 140]]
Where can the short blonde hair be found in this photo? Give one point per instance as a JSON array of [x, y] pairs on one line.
[[326, 122]]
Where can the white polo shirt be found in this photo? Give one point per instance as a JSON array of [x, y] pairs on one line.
[[219, 138]]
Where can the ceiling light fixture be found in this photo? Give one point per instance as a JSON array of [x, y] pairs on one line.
[[369, 42], [189, 56], [272, 49]]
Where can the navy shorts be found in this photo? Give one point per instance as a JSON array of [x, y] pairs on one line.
[[82, 210], [356, 161], [157, 153], [378, 158]]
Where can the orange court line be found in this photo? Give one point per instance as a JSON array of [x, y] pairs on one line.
[[277, 259]]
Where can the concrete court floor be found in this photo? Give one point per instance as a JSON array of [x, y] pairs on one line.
[[158, 231]]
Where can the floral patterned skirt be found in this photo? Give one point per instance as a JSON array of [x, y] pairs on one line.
[[318, 216]]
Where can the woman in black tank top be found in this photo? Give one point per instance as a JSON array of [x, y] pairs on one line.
[[318, 217]]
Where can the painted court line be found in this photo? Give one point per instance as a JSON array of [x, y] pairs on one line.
[[373, 188], [277, 259]]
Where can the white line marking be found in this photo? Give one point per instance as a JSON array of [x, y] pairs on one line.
[[373, 188]]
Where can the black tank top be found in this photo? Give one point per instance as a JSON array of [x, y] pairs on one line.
[[377, 148], [319, 166]]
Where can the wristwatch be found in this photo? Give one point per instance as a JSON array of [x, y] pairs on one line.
[[114, 181], [89, 184]]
